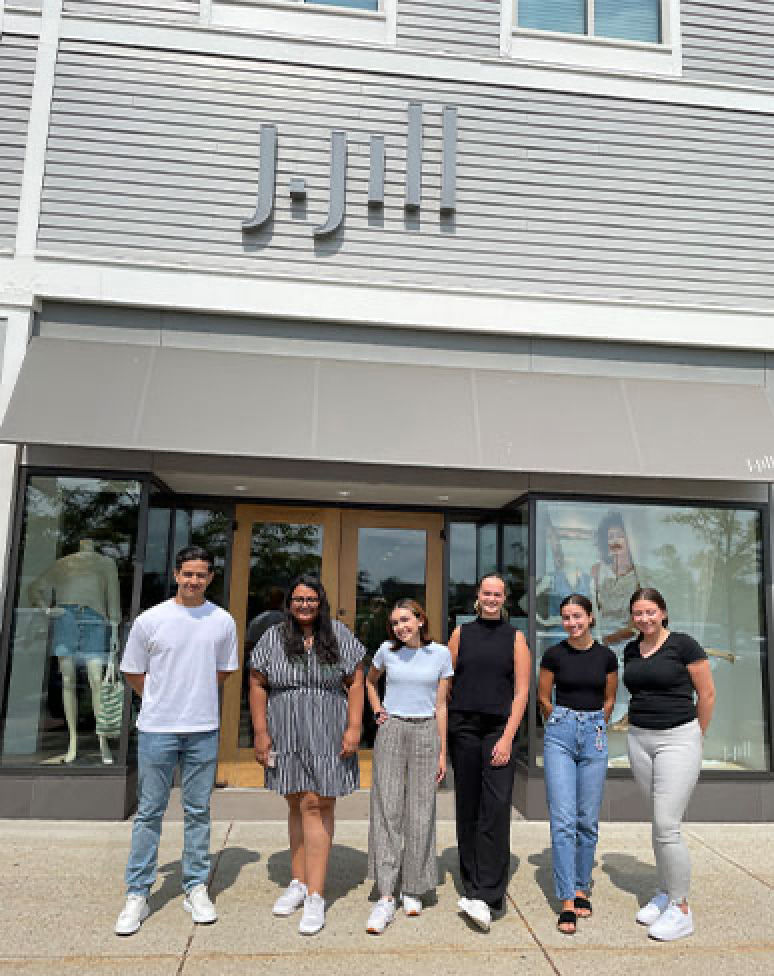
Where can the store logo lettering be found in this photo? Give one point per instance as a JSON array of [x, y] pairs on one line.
[[338, 174]]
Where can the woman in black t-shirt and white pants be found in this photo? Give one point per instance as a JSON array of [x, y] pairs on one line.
[[585, 675], [673, 694]]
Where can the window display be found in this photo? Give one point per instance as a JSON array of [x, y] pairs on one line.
[[708, 564], [73, 598]]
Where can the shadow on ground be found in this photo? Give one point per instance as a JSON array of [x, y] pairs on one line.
[[229, 867], [630, 874], [347, 869]]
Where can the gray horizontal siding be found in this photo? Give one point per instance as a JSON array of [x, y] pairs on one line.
[[17, 71], [135, 9], [470, 27], [729, 41], [154, 157], [34, 5]]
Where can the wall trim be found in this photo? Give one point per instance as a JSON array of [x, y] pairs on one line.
[[55, 277], [436, 65], [37, 129]]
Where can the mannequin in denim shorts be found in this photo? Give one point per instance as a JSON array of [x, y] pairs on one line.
[[80, 595]]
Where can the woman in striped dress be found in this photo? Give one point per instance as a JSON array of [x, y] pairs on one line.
[[306, 701]]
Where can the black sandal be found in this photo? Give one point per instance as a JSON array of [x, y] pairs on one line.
[[582, 903], [567, 918]]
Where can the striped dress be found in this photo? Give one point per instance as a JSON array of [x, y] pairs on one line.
[[307, 715]]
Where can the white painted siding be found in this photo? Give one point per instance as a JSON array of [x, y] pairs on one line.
[[17, 71], [135, 9], [729, 41], [153, 157], [468, 27]]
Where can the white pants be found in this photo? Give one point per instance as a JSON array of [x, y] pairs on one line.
[[666, 765]]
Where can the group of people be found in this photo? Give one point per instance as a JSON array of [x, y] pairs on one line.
[[307, 691]]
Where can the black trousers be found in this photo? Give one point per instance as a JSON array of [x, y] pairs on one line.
[[483, 805]]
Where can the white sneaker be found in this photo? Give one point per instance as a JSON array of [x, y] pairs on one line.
[[673, 924], [655, 908], [381, 915], [291, 899], [198, 903], [133, 914], [313, 918], [477, 911], [412, 906]]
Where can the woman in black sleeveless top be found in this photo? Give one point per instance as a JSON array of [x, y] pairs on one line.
[[489, 695]]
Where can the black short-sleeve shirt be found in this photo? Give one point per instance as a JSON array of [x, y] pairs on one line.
[[660, 685], [580, 676]]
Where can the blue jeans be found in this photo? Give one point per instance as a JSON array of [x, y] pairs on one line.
[[158, 754], [575, 758]]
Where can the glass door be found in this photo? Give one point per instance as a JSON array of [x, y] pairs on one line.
[[366, 561], [271, 547], [385, 557]]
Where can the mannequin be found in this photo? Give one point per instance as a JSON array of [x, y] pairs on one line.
[[81, 596]]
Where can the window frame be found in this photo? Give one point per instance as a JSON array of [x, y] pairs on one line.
[[603, 54], [301, 18]]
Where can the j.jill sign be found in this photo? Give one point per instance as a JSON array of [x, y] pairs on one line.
[[267, 182]]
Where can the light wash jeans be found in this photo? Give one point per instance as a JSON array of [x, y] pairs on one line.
[[158, 754], [575, 762], [666, 764]]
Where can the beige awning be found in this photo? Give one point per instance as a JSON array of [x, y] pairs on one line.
[[161, 398]]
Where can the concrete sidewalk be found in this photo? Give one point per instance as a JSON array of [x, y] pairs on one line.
[[61, 889]]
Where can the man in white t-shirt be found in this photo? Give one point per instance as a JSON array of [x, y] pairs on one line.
[[177, 655]]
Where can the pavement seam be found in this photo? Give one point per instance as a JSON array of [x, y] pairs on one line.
[[730, 860], [534, 935], [189, 943]]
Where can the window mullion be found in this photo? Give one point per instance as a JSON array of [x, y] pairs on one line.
[[590, 17]]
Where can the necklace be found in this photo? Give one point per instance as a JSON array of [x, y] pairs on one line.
[[309, 643]]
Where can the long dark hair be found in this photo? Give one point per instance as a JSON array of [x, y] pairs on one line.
[[326, 647]]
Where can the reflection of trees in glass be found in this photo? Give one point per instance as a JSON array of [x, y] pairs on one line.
[[105, 512], [211, 531], [278, 553], [729, 573]]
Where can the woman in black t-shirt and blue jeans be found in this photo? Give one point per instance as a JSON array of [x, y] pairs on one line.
[[669, 678], [585, 676]]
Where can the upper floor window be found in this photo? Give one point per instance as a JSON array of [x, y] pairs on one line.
[[361, 21], [352, 4], [618, 36], [629, 20]]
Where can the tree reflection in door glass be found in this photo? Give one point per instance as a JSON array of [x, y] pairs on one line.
[[390, 567], [279, 551]]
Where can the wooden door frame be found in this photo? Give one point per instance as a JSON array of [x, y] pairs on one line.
[[431, 523], [338, 576], [247, 516]]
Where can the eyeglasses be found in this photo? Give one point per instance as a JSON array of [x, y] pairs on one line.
[[308, 601]]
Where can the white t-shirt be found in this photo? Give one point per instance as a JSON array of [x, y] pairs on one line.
[[180, 651], [413, 674]]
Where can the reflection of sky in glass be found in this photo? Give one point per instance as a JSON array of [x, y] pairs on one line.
[[392, 554]]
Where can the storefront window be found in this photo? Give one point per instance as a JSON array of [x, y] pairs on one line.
[[707, 562], [70, 614]]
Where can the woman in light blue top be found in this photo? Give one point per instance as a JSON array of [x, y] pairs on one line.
[[409, 761]]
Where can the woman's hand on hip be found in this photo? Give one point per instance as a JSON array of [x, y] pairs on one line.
[[501, 754], [262, 747], [349, 742]]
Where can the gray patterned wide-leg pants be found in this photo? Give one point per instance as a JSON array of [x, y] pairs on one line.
[[401, 833]]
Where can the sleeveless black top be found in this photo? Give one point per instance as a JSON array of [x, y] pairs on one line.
[[483, 675]]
